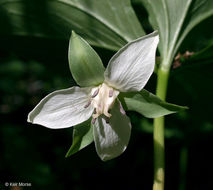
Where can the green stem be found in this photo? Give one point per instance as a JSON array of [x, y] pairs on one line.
[[159, 160], [162, 82]]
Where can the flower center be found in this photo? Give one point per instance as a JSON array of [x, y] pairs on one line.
[[102, 99]]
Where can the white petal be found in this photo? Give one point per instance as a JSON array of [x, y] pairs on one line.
[[131, 67], [62, 108], [111, 139]]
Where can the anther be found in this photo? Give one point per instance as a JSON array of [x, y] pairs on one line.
[[122, 109], [95, 93], [107, 119], [88, 104], [93, 120], [110, 93], [94, 111]]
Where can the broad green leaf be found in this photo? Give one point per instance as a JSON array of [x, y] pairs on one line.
[[174, 19], [82, 137], [148, 104], [205, 55], [85, 64], [202, 47], [104, 23]]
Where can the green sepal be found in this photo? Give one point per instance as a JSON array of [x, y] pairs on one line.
[[148, 104], [82, 137], [85, 65]]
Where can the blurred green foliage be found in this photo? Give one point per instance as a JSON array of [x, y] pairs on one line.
[[32, 66]]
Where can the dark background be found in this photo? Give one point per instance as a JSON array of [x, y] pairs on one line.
[[31, 67]]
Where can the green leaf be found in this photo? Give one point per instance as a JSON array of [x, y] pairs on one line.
[[204, 55], [86, 66], [202, 47], [82, 137], [104, 23], [148, 104], [174, 19]]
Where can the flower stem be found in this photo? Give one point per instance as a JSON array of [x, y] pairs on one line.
[[159, 160]]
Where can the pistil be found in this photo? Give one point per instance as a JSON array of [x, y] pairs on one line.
[[102, 99]]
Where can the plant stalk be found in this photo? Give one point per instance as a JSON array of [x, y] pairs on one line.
[[159, 150]]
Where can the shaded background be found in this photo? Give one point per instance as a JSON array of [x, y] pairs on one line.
[[31, 67]]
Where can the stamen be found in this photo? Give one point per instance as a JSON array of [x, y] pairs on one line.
[[102, 100], [110, 93], [94, 111], [95, 114], [95, 93], [106, 113], [107, 119], [88, 104], [122, 109], [93, 120]]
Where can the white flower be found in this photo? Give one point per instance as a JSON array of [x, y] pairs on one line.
[[128, 70]]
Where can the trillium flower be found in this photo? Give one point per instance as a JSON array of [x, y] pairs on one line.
[[98, 97]]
